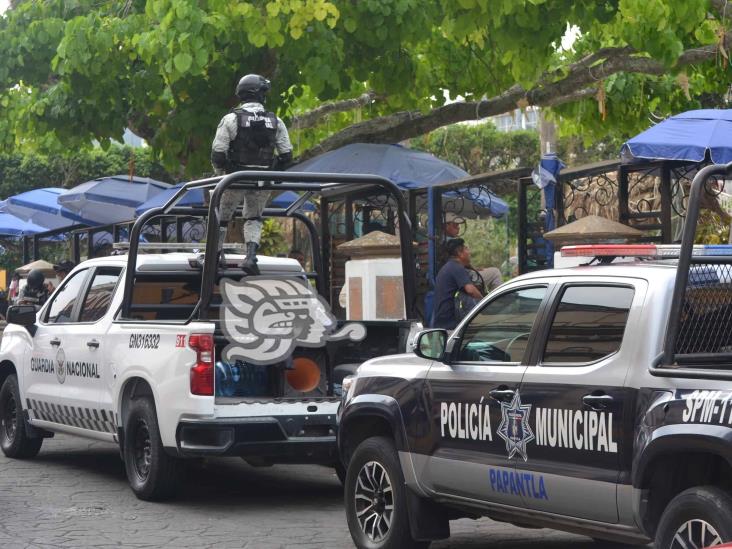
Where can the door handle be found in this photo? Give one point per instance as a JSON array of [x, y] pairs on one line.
[[93, 343], [502, 394], [55, 342], [597, 401]]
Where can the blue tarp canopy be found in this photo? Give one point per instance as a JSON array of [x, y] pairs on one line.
[[688, 136], [408, 168], [40, 206], [195, 198], [111, 199]]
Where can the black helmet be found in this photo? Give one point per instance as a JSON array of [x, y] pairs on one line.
[[252, 87], [36, 278]]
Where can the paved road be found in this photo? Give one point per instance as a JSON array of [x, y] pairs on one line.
[[75, 494]]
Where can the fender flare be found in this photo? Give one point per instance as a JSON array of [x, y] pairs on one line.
[[373, 406], [682, 438], [119, 395]]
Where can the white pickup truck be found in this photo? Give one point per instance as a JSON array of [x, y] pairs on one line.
[[154, 382]]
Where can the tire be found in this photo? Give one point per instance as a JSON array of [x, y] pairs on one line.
[[152, 474], [14, 439], [373, 467], [705, 507]]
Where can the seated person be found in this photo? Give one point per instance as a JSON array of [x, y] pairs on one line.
[[453, 277], [489, 277]]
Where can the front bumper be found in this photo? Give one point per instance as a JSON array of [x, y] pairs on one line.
[[274, 439]]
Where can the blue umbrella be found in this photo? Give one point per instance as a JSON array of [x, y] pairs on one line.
[[191, 198], [14, 226], [195, 198], [40, 206], [286, 198], [689, 136], [112, 199], [408, 168]]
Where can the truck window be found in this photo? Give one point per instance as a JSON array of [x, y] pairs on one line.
[[168, 297], [62, 306], [500, 331], [100, 293], [588, 324]]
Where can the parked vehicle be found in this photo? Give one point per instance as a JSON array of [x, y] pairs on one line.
[[131, 349], [596, 400]]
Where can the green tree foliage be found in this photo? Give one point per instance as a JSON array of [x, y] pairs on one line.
[[11, 257], [273, 240], [20, 172], [23, 171], [575, 151], [481, 148], [76, 70]]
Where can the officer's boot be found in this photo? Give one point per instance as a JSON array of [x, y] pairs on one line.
[[250, 262]]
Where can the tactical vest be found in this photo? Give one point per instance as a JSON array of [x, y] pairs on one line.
[[254, 145], [31, 296]]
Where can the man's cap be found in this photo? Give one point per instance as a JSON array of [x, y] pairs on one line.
[[64, 266], [453, 218]]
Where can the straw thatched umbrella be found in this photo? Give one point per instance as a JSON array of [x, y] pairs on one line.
[[44, 266], [592, 228]]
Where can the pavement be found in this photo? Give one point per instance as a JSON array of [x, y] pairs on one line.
[[75, 494]]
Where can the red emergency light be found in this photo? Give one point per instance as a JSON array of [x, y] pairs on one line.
[[656, 251], [613, 250]]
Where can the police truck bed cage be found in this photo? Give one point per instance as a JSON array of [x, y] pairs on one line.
[[308, 183], [698, 342]]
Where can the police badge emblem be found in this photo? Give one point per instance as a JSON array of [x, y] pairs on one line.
[[61, 366], [515, 428]]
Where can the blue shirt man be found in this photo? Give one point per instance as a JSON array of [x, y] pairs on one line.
[[452, 278]]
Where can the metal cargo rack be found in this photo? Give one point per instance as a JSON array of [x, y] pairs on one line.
[[698, 342], [326, 185]]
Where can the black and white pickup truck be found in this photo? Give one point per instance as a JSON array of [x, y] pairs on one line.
[[595, 400]]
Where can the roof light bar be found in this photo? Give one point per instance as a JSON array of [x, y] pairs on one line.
[[614, 250], [657, 251]]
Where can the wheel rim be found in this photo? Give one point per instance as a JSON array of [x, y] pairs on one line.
[[374, 501], [696, 534], [10, 418], [142, 451]]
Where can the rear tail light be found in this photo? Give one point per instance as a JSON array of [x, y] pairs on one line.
[[202, 374]]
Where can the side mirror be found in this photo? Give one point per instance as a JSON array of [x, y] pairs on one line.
[[430, 344], [25, 315]]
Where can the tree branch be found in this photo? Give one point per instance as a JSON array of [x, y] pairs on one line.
[[723, 8], [313, 117], [571, 97], [580, 82]]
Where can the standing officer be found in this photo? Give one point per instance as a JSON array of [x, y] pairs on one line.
[[249, 138]]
